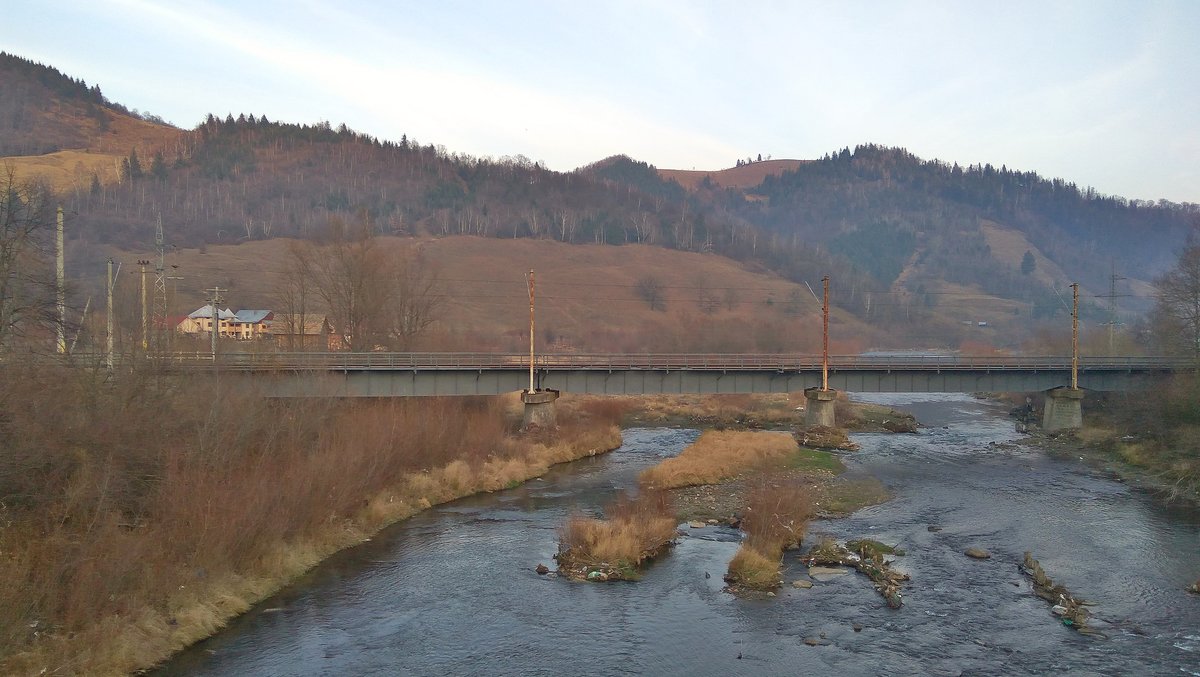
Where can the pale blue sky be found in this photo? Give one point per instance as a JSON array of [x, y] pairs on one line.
[[1105, 94]]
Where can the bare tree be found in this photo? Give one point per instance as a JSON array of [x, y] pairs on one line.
[[706, 297], [650, 289], [414, 304], [26, 278], [294, 296], [348, 274], [731, 298], [1177, 311], [374, 298]]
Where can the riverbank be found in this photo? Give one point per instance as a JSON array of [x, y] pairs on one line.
[[147, 536], [410, 596], [1150, 441], [1143, 464]]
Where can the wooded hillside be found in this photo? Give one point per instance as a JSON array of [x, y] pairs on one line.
[[907, 239]]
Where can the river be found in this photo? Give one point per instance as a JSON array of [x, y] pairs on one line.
[[452, 591]]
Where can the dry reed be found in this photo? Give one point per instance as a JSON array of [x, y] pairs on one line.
[[635, 530], [719, 455], [776, 518], [750, 568], [148, 511]]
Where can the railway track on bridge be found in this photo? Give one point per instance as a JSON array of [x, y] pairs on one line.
[[383, 361]]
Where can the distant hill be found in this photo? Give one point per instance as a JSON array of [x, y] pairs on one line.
[[57, 128], [919, 248], [742, 177]]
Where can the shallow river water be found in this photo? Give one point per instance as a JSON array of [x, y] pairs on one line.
[[452, 591]]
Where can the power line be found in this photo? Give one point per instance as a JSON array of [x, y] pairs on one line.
[[1112, 297]]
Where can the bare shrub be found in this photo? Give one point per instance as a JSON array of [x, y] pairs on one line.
[[650, 289], [776, 516]]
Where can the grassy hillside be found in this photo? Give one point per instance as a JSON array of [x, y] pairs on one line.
[[588, 298], [742, 177], [58, 129]]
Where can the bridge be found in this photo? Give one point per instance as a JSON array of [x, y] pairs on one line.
[[430, 374]]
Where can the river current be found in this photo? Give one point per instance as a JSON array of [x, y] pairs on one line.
[[452, 591]]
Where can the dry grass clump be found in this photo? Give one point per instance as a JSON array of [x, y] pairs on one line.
[[150, 510], [635, 530], [719, 455], [752, 569], [776, 518], [733, 409]]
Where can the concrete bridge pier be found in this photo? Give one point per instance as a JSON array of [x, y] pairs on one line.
[[819, 409], [1064, 409], [539, 409]]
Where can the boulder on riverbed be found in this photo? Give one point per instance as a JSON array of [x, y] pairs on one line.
[[542, 569], [1195, 587], [1070, 609], [901, 425], [978, 553], [824, 437], [827, 554], [802, 584]]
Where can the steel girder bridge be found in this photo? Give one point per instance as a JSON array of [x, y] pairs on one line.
[[381, 374]]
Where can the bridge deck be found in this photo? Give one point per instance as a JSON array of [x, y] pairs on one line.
[[414, 374]]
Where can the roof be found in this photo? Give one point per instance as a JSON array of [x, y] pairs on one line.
[[252, 316], [206, 311]]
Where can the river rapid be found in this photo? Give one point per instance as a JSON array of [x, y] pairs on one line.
[[452, 591]]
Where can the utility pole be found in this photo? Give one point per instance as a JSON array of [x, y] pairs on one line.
[[160, 287], [1112, 297], [109, 319], [61, 299], [825, 337], [1075, 337], [142, 263], [171, 300], [530, 278], [213, 301]]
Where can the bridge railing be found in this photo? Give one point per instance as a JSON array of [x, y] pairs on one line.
[[346, 361]]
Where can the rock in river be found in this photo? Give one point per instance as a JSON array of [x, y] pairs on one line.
[[978, 553], [542, 569], [826, 573], [697, 525], [801, 583]]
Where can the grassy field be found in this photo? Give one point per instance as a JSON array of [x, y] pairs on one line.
[[745, 176], [588, 297]]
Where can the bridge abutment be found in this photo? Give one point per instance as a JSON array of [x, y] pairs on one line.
[[819, 409], [1064, 409], [539, 409]]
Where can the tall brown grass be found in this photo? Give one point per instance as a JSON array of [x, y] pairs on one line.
[[776, 518], [731, 409], [717, 455], [137, 514], [635, 529]]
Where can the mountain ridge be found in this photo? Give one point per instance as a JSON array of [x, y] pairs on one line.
[[886, 221]]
